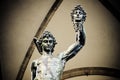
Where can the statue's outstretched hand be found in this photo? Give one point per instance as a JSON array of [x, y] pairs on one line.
[[35, 39], [78, 27]]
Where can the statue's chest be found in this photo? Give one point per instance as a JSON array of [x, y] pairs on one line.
[[50, 66]]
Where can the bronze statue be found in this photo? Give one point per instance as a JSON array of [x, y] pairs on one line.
[[48, 67]]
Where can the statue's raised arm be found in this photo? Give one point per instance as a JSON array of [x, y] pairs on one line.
[[78, 17]]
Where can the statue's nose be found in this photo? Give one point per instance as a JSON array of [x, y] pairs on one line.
[[48, 43], [77, 15]]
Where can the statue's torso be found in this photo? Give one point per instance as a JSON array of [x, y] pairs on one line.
[[49, 68]]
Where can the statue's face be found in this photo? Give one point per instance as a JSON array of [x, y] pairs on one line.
[[47, 44], [77, 16]]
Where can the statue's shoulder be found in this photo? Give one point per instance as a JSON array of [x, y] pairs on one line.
[[61, 55], [34, 62]]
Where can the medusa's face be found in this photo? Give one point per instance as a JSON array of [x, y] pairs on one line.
[[77, 16], [47, 44]]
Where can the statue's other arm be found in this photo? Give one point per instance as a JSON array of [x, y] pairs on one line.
[[33, 71], [75, 48], [36, 41]]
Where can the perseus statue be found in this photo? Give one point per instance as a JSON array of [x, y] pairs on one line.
[[48, 67]]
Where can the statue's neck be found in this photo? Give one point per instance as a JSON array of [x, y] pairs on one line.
[[78, 25], [44, 53]]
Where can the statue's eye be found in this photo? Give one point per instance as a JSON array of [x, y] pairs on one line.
[[50, 41], [45, 41]]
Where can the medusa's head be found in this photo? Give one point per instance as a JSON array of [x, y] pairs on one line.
[[47, 42], [78, 15]]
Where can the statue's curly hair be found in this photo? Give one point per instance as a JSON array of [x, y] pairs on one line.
[[47, 34], [78, 7]]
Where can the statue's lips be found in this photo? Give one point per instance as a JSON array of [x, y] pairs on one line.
[[48, 47], [77, 20]]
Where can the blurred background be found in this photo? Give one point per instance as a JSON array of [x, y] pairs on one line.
[[20, 20]]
